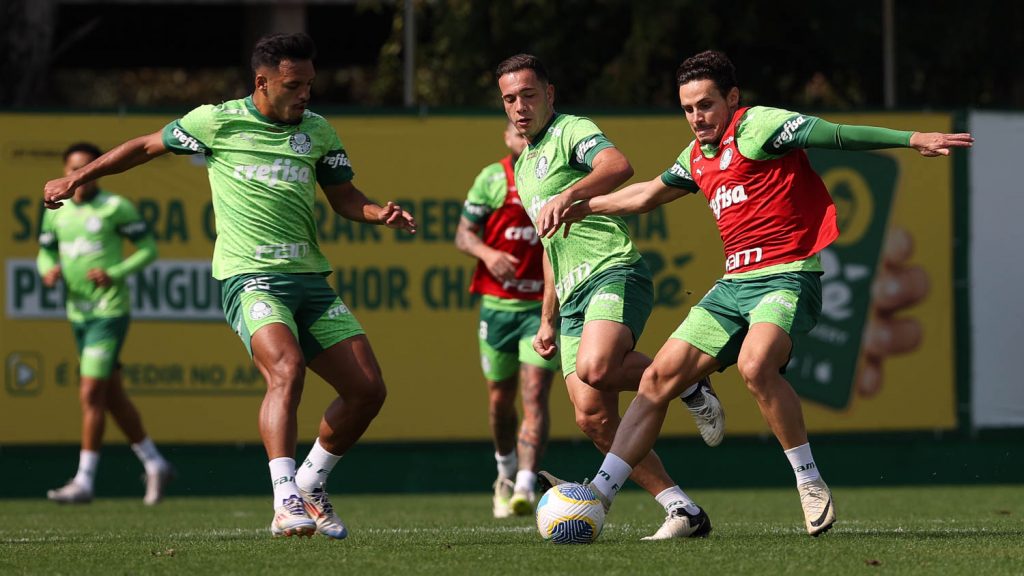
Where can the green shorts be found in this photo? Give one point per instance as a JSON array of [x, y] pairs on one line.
[[719, 322], [506, 341], [99, 344], [304, 302], [623, 294]]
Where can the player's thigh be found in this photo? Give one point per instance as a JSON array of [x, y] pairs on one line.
[[497, 336], [252, 302], [715, 325], [99, 345], [781, 308], [351, 368]]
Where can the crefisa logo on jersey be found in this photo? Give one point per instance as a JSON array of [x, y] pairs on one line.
[[300, 142], [542, 168], [726, 159]]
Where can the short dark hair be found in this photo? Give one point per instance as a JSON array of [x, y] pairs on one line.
[[87, 147], [271, 49], [523, 62], [708, 65]]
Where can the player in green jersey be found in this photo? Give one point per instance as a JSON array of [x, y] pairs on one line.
[[750, 165], [265, 154], [595, 279], [496, 231], [83, 245]]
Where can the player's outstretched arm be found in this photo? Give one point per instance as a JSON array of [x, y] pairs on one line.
[[123, 157], [633, 199], [824, 134], [350, 202], [610, 170]]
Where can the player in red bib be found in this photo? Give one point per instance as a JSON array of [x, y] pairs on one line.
[[509, 277], [774, 216]]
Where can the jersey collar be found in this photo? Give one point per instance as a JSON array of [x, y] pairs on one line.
[[544, 131], [251, 107]]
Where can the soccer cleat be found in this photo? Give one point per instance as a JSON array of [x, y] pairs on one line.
[[156, 482], [70, 493], [521, 503], [291, 519], [502, 501], [819, 511], [707, 411], [546, 481], [681, 524], [320, 509]]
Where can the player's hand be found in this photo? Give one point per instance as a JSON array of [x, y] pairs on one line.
[[99, 277], [50, 278], [56, 190], [502, 265], [552, 215], [897, 287], [939, 144], [544, 342], [392, 216]]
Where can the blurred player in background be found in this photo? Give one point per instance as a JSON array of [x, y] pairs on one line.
[[774, 216], [496, 230], [265, 155], [83, 245], [595, 279]]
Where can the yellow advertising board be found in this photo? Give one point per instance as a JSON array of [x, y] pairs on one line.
[[193, 381]]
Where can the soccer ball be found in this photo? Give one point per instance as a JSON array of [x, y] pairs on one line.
[[570, 514]]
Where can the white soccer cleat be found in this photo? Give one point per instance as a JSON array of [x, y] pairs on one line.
[[320, 509], [819, 511], [156, 483], [70, 493], [521, 503], [291, 519], [501, 503], [546, 481], [707, 412], [681, 524]]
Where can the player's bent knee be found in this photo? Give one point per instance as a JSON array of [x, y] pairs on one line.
[[596, 375], [92, 392]]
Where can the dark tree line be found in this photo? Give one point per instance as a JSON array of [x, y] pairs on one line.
[[606, 54]]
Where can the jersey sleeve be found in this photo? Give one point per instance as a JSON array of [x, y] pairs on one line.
[[193, 133], [765, 133], [583, 140], [130, 225], [334, 167], [678, 175], [486, 195]]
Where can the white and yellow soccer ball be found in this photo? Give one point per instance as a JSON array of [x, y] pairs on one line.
[[570, 514]]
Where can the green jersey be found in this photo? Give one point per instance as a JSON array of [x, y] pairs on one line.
[[563, 155], [263, 177], [80, 237]]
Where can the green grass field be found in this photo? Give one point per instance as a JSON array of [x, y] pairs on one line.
[[974, 530]]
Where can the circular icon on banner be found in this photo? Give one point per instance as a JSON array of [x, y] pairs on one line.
[[300, 142], [260, 310], [542, 168], [93, 224]]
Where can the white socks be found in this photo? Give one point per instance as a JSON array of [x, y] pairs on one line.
[[525, 481], [315, 468], [612, 475], [802, 461], [282, 476], [674, 497], [88, 461], [150, 457], [508, 464]]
